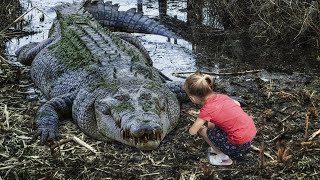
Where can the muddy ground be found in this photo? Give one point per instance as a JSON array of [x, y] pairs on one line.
[[282, 98], [280, 104]]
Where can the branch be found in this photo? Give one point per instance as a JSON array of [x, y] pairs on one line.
[[19, 18], [75, 139], [212, 73], [313, 135], [266, 154]]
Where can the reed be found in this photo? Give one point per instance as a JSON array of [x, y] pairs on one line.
[[271, 22], [9, 11]]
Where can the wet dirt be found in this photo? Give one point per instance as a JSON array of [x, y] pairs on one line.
[[283, 99]]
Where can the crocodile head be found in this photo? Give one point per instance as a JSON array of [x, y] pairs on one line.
[[139, 117]]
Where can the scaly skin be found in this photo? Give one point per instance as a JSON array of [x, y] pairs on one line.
[[109, 16], [103, 82]]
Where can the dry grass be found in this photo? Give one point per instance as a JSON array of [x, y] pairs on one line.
[[280, 140], [270, 22], [9, 11]]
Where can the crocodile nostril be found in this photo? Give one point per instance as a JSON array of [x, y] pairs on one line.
[[146, 129]]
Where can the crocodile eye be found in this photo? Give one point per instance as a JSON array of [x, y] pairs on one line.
[[104, 109], [105, 105]]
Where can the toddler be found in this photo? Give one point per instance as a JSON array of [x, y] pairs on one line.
[[229, 130]]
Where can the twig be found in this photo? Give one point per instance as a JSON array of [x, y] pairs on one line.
[[59, 143], [84, 144], [191, 113], [12, 130], [284, 119], [306, 127], [19, 18], [307, 143], [303, 26], [277, 31], [6, 167], [6, 113], [279, 135], [266, 154], [261, 155], [2, 59], [75, 139], [212, 73], [17, 34], [313, 135], [150, 174]]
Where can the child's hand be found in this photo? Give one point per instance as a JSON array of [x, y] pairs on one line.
[[197, 125], [200, 132]]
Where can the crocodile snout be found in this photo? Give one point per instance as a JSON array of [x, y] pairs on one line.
[[145, 129], [145, 125]]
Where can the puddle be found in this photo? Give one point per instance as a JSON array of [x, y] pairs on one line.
[[167, 56]]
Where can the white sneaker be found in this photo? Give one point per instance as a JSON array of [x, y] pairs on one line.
[[220, 160]]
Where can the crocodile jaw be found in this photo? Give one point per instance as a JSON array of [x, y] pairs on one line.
[[141, 136], [149, 145]]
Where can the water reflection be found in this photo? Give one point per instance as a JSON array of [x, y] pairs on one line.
[[216, 43], [34, 21], [203, 29]]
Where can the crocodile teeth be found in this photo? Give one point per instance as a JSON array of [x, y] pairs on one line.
[[122, 134]]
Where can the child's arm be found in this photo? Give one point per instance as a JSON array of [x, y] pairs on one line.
[[197, 125], [237, 102], [211, 125]]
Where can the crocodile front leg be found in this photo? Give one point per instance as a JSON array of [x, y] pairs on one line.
[[177, 88], [242, 101], [48, 116]]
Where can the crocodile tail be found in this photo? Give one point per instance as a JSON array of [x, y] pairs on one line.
[[109, 16], [27, 52]]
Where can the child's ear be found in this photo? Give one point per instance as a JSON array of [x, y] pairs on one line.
[[211, 85], [192, 98]]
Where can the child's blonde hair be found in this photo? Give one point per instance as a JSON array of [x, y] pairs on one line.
[[198, 85]]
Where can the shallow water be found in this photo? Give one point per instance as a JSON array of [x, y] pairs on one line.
[[167, 56]]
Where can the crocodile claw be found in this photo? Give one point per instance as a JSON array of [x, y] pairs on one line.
[[46, 134]]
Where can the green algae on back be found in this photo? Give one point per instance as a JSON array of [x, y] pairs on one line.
[[71, 49], [104, 83]]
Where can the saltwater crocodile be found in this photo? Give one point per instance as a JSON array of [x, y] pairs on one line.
[[103, 80]]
